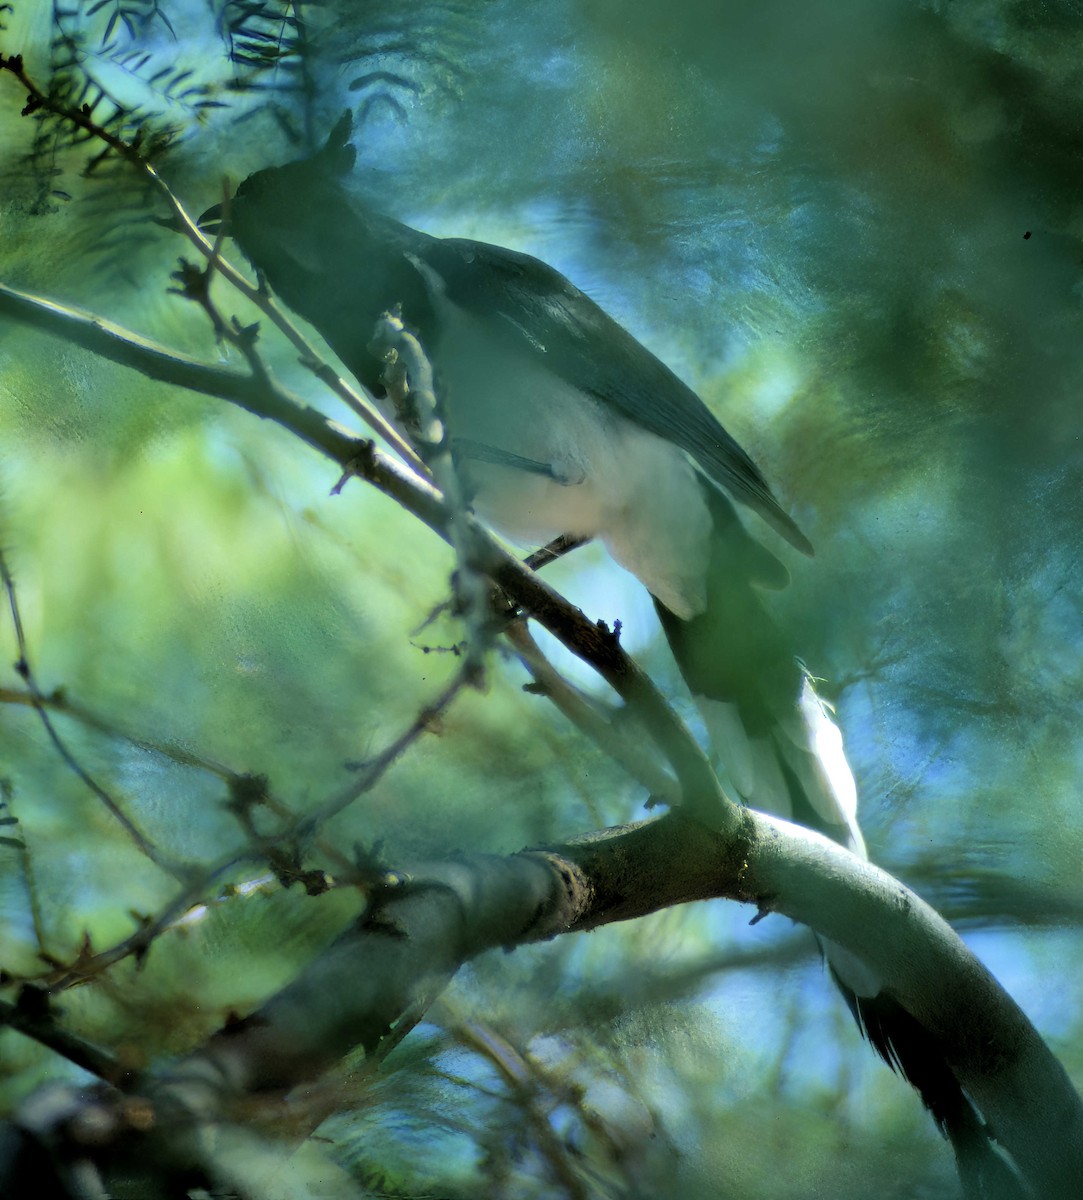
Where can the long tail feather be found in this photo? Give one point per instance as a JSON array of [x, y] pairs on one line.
[[780, 750]]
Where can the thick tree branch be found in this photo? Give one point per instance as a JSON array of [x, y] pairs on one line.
[[999, 1058], [415, 935]]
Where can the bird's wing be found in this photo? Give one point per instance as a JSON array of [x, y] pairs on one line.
[[548, 315]]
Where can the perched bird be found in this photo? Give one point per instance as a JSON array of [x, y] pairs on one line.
[[561, 423]]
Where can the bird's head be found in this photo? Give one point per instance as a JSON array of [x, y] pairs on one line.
[[322, 250], [277, 200]]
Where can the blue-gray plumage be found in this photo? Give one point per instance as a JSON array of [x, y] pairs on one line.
[[563, 424]]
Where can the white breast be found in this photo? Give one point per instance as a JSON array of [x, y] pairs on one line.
[[609, 478]]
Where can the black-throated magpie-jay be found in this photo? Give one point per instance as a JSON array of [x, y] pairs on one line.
[[563, 424]]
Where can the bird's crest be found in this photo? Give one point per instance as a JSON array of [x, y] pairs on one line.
[[338, 152]]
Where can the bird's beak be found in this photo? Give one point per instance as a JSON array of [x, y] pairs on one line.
[[214, 222]]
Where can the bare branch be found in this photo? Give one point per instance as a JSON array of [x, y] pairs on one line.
[[590, 717], [372, 770], [145, 846], [33, 1018], [594, 643], [417, 932], [256, 294]]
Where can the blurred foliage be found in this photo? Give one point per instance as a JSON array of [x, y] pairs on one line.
[[856, 229]]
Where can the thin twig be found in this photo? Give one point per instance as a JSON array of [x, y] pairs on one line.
[[23, 668], [60, 702], [370, 772], [592, 718], [26, 863], [255, 294], [526, 1083], [33, 1018], [553, 550], [89, 963], [594, 643]]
